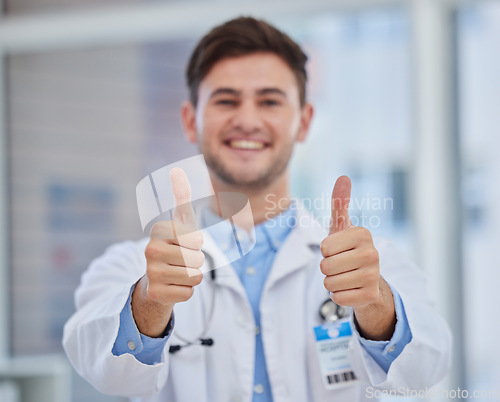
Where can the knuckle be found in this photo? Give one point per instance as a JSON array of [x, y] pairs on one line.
[[324, 247], [370, 255], [327, 282], [373, 276], [197, 279], [364, 234], [323, 266], [338, 299], [198, 239], [200, 259], [151, 272], [152, 251], [185, 293], [182, 196]]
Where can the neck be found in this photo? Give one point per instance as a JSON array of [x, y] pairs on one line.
[[266, 202]]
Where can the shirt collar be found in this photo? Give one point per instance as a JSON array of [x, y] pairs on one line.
[[275, 230], [272, 231]]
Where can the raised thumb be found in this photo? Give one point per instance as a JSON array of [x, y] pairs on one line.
[[341, 196]]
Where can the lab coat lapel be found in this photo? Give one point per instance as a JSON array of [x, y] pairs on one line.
[[225, 274], [295, 253]]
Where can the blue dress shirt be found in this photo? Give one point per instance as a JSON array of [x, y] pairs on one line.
[[253, 270]]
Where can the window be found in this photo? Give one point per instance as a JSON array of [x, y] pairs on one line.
[[360, 86], [479, 87]]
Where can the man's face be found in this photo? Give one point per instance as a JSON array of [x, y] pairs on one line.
[[247, 119]]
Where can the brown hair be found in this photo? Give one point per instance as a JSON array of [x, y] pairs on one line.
[[240, 37]]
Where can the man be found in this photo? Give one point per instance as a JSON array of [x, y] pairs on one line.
[[256, 317]]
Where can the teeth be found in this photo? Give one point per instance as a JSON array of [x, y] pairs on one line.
[[245, 144]]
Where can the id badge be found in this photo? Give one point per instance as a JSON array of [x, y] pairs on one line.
[[332, 346]]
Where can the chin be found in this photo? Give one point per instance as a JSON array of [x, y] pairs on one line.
[[240, 174], [250, 181]]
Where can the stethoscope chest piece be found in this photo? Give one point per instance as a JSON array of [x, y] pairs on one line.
[[330, 311]]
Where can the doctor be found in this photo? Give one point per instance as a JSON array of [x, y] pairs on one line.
[[150, 326]]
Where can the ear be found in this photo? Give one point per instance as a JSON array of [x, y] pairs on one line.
[[305, 121], [188, 116]]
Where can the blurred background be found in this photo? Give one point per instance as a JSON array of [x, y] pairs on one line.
[[407, 97]]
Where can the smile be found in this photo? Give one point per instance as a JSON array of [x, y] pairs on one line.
[[246, 144]]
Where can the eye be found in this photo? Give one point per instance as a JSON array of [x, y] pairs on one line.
[[225, 102], [270, 102]]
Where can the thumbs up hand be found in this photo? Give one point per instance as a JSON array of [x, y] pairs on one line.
[[350, 262], [174, 253], [351, 269], [174, 259]]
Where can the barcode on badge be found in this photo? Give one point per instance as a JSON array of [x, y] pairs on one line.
[[344, 376]]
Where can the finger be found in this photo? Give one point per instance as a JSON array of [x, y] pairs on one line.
[[355, 279], [178, 234], [355, 297], [174, 275], [183, 211], [339, 263], [160, 251], [341, 196], [348, 239], [349, 260], [170, 293], [184, 257]]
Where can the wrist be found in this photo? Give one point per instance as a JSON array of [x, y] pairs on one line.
[[377, 320], [150, 316]]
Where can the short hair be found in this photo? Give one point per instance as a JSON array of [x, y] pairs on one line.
[[240, 37]]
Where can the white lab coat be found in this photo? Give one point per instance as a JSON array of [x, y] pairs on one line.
[[289, 309]]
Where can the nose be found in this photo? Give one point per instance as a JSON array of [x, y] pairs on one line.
[[247, 117]]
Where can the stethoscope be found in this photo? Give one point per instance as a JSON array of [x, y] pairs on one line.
[[329, 312], [201, 339]]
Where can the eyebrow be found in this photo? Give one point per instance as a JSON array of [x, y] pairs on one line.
[[234, 92], [225, 91], [271, 91]]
